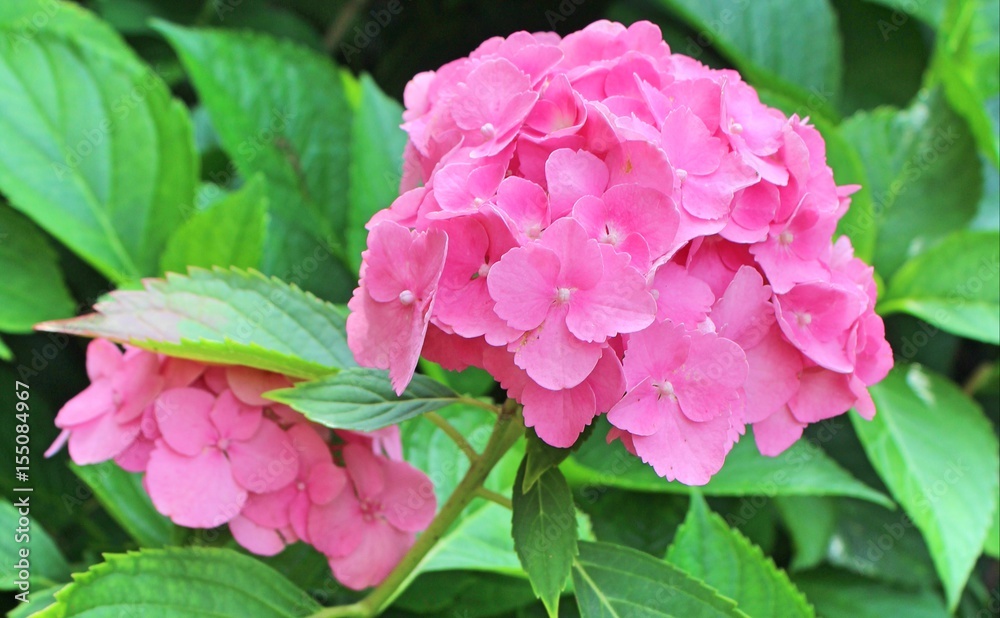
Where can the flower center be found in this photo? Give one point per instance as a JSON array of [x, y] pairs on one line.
[[665, 389], [484, 270], [785, 238], [406, 297], [610, 236], [735, 127], [562, 295], [681, 174], [803, 318], [301, 486], [370, 508], [534, 231], [488, 130], [223, 444]]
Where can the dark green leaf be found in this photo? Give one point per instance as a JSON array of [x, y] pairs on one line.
[[96, 150], [802, 470], [954, 286], [793, 46], [230, 232], [923, 173], [707, 548], [376, 162], [362, 399], [181, 583], [937, 453], [33, 288], [124, 498], [840, 595], [930, 11], [226, 317], [280, 110], [810, 521], [45, 563], [539, 457], [465, 594], [618, 582], [544, 531]]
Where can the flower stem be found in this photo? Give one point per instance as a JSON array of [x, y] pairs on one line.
[[453, 433], [509, 427]]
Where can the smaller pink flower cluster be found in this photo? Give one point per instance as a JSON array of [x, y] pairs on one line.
[[214, 452], [607, 227]]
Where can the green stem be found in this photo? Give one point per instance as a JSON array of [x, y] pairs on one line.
[[509, 427], [453, 433]]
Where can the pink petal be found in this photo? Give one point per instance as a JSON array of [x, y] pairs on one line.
[[249, 384], [559, 417], [777, 432], [380, 550], [641, 411], [101, 439], [707, 386], [553, 357], [103, 359], [523, 284], [367, 472], [684, 450], [571, 175], [773, 376], [335, 529], [822, 394], [681, 297], [265, 462], [182, 415], [744, 314], [326, 482], [408, 500], [197, 492], [271, 510], [257, 539], [93, 401], [234, 419], [619, 303]]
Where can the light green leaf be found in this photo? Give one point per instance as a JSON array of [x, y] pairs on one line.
[[122, 495], [33, 288], [46, 564], [967, 61], [617, 582], [793, 47], [923, 174], [5, 352], [280, 110], [181, 583], [376, 162], [802, 470], [544, 531], [229, 233], [96, 150], [840, 595], [707, 548], [937, 453], [954, 286], [226, 317], [480, 541], [39, 600], [361, 399]]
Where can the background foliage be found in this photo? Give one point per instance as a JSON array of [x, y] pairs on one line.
[[140, 137]]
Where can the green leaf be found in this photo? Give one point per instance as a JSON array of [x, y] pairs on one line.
[[181, 583], [465, 594], [802, 470], [39, 600], [793, 47], [968, 62], [930, 12], [229, 233], [707, 548], [96, 150], [937, 453], [618, 582], [840, 595], [361, 399], [124, 498], [226, 317], [5, 352], [810, 521], [480, 541], [280, 110], [46, 564], [923, 174], [992, 545], [544, 531], [376, 162], [33, 288], [953, 285], [539, 457]]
